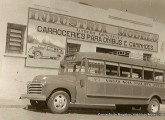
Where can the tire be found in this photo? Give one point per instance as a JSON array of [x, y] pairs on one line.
[[154, 106], [59, 102], [37, 55], [30, 56], [123, 108]]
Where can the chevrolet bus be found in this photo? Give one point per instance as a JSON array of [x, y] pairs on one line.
[[99, 79]]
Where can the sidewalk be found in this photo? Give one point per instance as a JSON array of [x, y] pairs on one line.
[[17, 103]]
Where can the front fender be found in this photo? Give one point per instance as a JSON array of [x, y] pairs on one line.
[[157, 96], [67, 83]]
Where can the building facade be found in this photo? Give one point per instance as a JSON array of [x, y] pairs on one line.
[[35, 36]]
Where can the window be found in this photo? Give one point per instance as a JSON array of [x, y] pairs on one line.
[[137, 72], [158, 76], [15, 38], [147, 57], [96, 67], [148, 74], [51, 48], [41, 46], [73, 66], [112, 69], [72, 47], [113, 51], [125, 70], [59, 50]]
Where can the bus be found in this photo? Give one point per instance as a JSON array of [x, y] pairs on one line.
[[100, 79], [45, 51]]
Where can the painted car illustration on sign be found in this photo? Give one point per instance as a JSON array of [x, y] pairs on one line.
[[45, 51]]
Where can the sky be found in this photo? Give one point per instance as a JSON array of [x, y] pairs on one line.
[[149, 8]]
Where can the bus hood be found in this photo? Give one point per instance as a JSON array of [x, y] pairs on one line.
[[54, 78]]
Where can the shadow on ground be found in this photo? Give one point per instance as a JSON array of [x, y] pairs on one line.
[[91, 111]]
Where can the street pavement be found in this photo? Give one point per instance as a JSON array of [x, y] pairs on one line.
[[26, 112]]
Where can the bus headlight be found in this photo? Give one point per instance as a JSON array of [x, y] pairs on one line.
[[43, 83], [28, 83]]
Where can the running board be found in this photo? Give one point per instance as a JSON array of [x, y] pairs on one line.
[[100, 106]]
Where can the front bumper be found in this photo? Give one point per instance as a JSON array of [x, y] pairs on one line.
[[33, 97]]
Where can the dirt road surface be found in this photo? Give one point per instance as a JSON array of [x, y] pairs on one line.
[[29, 113]]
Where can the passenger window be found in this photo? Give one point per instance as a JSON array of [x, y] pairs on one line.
[[112, 69], [74, 66], [148, 74], [41, 46], [125, 70], [50, 48], [158, 76], [137, 72], [96, 67]]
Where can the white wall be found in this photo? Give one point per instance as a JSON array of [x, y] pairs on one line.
[[14, 74], [160, 29]]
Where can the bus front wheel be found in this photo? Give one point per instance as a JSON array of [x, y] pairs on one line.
[[59, 102]]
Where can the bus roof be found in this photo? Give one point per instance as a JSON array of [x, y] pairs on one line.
[[118, 59]]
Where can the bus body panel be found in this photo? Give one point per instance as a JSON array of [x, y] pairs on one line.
[[104, 89], [112, 91]]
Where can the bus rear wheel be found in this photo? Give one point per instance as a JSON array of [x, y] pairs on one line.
[[59, 102], [153, 107]]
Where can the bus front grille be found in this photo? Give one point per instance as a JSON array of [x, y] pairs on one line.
[[35, 88]]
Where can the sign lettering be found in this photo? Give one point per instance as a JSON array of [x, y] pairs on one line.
[[126, 82], [91, 31]]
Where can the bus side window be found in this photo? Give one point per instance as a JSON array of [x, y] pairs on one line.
[[148, 74], [137, 72], [96, 67], [112, 69], [158, 76], [125, 70]]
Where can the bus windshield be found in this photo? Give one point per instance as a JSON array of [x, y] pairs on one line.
[[73, 67]]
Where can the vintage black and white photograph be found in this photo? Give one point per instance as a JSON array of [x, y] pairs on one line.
[[82, 59]]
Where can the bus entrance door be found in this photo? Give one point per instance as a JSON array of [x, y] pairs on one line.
[[80, 88]]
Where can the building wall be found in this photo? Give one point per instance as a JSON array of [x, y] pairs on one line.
[[13, 72], [14, 75]]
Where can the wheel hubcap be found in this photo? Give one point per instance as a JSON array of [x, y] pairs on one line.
[[60, 102], [154, 107], [37, 55]]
